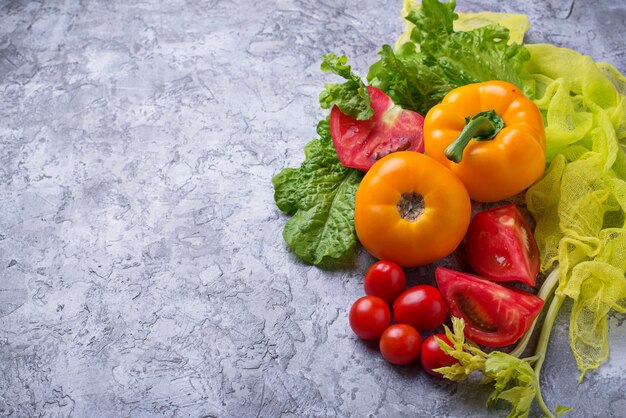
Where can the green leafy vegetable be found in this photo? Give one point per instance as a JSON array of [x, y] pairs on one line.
[[470, 358], [438, 59], [320, 197], [515, 382], [351, 97]]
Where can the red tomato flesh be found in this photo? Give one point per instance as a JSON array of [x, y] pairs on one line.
[[360, 143], [385, 279], [400, 344], [369, 317], [433, 356], [421, 306], [501, 247], [494, 315]]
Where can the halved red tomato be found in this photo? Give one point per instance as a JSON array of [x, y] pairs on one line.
[[360, 143], [494, 315], [501, 247]]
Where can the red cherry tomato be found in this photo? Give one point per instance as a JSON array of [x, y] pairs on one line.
[[501, 247], [385, 279], [433, 356], [494, 315], [360, 143], [400, 344], [369, 317], [421, 306]]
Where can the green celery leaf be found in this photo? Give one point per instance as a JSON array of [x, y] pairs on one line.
[[351, 97], [521, 397], [515, 382], [469, 357], [320, 197]]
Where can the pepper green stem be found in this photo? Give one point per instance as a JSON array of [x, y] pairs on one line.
[[484, 126]]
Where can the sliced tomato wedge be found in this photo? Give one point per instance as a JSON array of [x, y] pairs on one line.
[[494, 315], [501, 247], [360, 143]]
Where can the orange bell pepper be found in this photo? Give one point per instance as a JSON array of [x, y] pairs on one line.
[[491, 136]]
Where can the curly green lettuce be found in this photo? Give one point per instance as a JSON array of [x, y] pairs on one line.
[[436, 59]]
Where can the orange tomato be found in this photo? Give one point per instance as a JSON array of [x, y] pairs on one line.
[[410, 209]]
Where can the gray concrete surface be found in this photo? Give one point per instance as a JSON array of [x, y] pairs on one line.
[[142, 270]]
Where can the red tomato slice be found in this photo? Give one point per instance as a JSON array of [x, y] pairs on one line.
[[494, 315], [360, 143], [501, 247]]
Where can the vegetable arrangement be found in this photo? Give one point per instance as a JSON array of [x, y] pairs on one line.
[[497, 113]]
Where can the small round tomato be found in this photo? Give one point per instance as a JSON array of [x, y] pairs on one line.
[[494, 315], [501, 247], [369, 317], [360, 143], [433, 356], [410, 209], [385, 279], [421, 306], [400, 344]]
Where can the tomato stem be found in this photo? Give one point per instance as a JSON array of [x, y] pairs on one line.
[[483, 126]]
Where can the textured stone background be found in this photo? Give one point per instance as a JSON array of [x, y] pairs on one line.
[[142, 270]]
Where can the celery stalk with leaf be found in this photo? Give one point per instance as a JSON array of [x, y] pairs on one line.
[[515, 380]]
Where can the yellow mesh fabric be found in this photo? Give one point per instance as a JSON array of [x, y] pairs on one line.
[[580, 204]]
